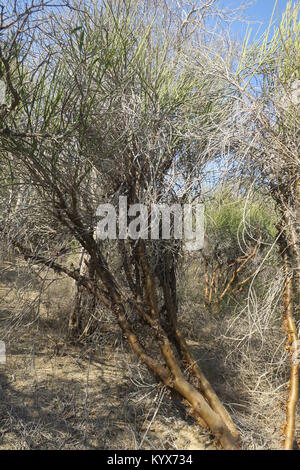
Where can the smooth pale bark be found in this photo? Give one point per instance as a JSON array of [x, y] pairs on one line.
[[205, 387], [291, 329], [287, 243], [174, 378]]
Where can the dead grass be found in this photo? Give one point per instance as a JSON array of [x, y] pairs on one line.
[[54, 395], [96, 395]]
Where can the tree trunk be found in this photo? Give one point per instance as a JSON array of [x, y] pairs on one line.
[[84, 301], [287, 254]]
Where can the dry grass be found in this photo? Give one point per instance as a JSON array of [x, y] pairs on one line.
[[96, 395], [246, 361]]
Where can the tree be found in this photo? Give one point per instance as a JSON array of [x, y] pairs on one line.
[[107, 111], [263, 137], [238, 233]]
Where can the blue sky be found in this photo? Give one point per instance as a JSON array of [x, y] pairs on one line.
[[258, 13]]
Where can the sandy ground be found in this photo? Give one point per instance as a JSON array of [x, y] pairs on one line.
[[55, 395], [62, 402]]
